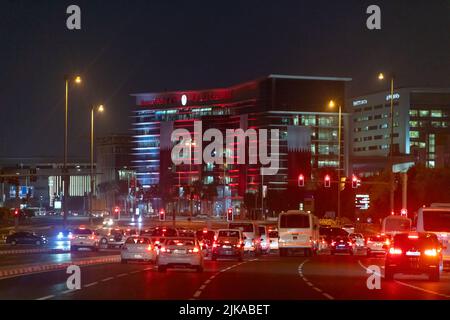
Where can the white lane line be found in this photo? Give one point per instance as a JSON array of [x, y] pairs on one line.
[[135, 271], [108, 279], [197, 294], [326, 295], [121, 275], [47, 297], [202, 287], [300, 272], [68, 291], [90, 284], [412, 286], [207, 281], [148, 269]]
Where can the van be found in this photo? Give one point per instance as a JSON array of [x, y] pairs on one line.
[[298, 231]]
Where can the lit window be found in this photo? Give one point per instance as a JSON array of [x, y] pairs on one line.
[[436, 113], [424, 113], [413, 124], [431, 164], [414, 134], [413, 113]]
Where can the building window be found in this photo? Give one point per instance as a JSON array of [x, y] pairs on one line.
[[384, 126], [373, 148], [413, 113], [436, 113], [431, 164], [384, 147], [436, 124], [367, 138], [308, 120], [424, 113], [378, 137], [413, 124], [377, 117], [414, 134]]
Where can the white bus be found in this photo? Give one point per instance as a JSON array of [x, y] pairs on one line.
[[395, 224], [298, 230], [436, 219]]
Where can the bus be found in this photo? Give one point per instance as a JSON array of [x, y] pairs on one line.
[[436, 219], [298, 230], [395, 224]]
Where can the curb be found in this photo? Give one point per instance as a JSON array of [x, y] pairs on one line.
[[20, 251], [29, 269]]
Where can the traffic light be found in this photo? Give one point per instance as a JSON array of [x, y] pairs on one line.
[[116, 211], [327, 181], [404, 212], [354, 182], [230, 216], [162, 215], [16, 213], [301, 180]]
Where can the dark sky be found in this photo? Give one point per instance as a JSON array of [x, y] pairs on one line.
[[147, 45]]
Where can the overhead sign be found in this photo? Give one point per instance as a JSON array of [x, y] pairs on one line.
[[362, 201], [359, 102], [402, 167]]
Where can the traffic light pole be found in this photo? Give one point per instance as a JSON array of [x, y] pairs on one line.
[[339, 165], [391, 149]]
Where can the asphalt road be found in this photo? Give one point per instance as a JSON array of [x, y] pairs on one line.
[[267, 278]]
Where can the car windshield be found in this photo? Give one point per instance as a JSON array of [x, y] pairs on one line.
[[397, 224], [244, 227], [138, 240], [436, 220], [294, 221], [180, 242], [228, 234], [82, 231]]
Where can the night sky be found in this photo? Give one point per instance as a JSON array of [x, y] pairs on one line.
[[135, 46]]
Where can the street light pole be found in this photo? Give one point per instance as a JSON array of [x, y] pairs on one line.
[[339, 163], [99, 109]]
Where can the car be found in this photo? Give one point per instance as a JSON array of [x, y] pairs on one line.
[[84, 238], [358, 240], [228, 243], [349, 228], [108, 222], [377, 244], [251, 236], [273, 237], [182, 252], [328, 234], [342, 244], [138, 248], [25, 237], [263, 231], [206, 239], [64, 235], [414, 253], [112, 238], [158, 234]]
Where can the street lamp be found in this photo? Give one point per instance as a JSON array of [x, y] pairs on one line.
[[391, 145], [99, 109], [332, 105], [77, 80]]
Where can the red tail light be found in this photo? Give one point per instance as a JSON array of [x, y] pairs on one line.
[[349, 243], [333, 243], [215, 245], [431, 252]]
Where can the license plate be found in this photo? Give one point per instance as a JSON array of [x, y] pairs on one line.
[[137, 256], [226, 247], [341, 245], [413, 254], [81, 237], [180, 251]]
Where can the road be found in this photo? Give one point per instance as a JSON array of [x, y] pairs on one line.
[[269, 277]]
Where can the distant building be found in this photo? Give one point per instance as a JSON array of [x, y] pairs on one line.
[[114, 174], [421, 128], [296, 105], [48, 185]]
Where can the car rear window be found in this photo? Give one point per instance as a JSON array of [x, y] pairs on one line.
[[138, 240], [180, 242], [229, 234], [422, 242], [244, 227], [273, 234], [82, 231], [294, 221]]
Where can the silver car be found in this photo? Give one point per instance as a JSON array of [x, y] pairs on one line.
[[138, 249], [184, 252]]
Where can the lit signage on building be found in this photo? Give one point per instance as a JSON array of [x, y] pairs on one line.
[[396, 96], [184, 100], [359, 102], [362, 201]]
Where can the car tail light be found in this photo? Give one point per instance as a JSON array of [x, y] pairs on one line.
[[395, 251], [215, 245], [431, 252], [70, 236], [387, 242], [237, 245], [195, 250], [349, 243], [149, 248], [165, 250], [333, 243]]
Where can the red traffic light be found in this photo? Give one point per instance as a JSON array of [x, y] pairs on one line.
[[16, 212], [162, 215], [327, 181], [116, 209], [354, 182], [230, 216], [404, 212], [301, 180]]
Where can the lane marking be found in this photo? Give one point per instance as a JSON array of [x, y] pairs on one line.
[[47, 297], [202, 287], [300, 272], [135, 271], [108, 279], [412, 286], [68, 291], [197, 294], [90, 284], [121, 275]]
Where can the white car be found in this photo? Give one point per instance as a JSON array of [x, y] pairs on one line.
[[180, 252], [378, 244], [83, 238], [138, 249], [349, 228], [273, 238]]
